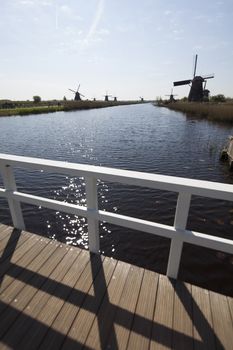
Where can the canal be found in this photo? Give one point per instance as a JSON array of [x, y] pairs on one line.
[[136, 137]]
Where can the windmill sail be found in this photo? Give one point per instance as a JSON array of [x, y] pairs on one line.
[[182, 82]]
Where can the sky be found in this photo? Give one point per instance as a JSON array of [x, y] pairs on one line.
[[127, 48]]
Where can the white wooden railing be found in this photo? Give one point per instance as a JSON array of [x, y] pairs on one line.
[[177, 233]]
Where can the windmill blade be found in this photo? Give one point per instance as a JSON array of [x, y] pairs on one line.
[[78, 87], [209, 76], [81, 95], [182, 82], [72, 91], [195, 66]]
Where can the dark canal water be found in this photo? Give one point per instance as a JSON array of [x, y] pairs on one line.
[[137, 137]]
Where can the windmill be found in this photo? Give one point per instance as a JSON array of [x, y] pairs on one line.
[[171, 96], [106, 97], [115, 99], [141, 98], [78, 95], [198, 92]]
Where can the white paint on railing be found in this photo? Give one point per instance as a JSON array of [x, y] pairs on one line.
[[181, 217], [14, 205], [177, 233], [92, 205]]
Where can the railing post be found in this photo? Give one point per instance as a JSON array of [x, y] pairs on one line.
[[14, 205], [181, 217], [92, 206]]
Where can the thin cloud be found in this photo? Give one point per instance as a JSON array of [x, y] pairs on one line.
[[93, 28]]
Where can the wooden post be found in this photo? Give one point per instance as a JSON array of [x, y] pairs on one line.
[[14, 205], [181, 217], [92, 207]]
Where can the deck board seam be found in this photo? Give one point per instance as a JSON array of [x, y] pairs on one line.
[[173, 310], [136, 304], [192, 308], [26, 305], [80, 307], [5, 231], [231, 315], [153, 315], [64, 302], [19, 244], [212, 321], [21, 272], [90, 328], [47, 278]]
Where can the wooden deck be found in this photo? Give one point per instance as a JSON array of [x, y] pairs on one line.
[[55, 296]]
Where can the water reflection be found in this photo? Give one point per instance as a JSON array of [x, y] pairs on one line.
[[139, 138], [74, 228]]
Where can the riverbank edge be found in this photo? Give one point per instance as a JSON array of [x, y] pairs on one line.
[[65, 106], [221, 112]]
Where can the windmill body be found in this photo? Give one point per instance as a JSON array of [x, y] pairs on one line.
[[77, 96], [171, 96], [198, 91], [106, 97]]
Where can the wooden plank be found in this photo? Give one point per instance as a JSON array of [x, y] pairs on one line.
[[230, 303], [65, 299], [50, 276], [119, 334], [103, 321], [28, 257], [7, 239], [12, 242], [143, 318], [4, 231], [54, 303], [203, 332], [9, 316], [161, 335], [222, 321], [12, 285], [22, 240], [71, 307], [182, 320], [86, 315]]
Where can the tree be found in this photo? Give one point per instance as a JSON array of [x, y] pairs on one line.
[[218, 98], [36, 99]]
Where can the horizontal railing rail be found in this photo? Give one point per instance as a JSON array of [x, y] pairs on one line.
[[178, 234]]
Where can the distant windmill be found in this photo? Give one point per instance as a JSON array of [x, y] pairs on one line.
[[141, 98], [198, 92], [106, 97], [78, 95], [171, 96], [115, 99]]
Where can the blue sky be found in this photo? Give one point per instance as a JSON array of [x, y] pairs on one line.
[[129, 48]]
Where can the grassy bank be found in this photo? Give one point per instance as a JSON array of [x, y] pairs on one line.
[[30, 108], [222, 112]]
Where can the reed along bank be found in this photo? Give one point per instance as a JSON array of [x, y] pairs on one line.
[[221, 112]]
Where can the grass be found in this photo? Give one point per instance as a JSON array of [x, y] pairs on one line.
[[221, 112], [27, 108]]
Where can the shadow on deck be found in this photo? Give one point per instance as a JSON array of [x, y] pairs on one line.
[[54, 296]]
